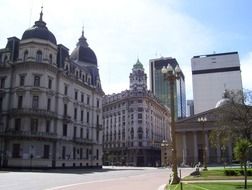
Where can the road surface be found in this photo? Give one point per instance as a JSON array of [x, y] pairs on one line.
[[108, 178]]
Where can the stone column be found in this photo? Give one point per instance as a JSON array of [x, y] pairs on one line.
[[184, 150], [207, 146], [218, 151], [195, 146]]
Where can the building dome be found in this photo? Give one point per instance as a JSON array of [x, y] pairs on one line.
[[224, 101], [40, 31], [83, 53], [138, 65]]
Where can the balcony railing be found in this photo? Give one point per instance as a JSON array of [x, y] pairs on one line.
[[30, 134], [99, 126], [67, 118], [31, 111], [82, 140]]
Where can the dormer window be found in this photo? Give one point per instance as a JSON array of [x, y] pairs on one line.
[[5, 59], [25, 55], [39, 57]]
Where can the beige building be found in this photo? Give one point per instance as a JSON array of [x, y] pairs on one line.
[[50, 101], [192, 136], [134, 124]]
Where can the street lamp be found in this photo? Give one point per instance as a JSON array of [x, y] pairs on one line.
[[203, 120], [164, 149], [171, 76]]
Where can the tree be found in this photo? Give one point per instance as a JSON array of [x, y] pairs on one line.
[[233, 118], [241, 152]]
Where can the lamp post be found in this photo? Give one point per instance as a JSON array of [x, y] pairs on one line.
[[164, 149], [171, 76], [203, 120]]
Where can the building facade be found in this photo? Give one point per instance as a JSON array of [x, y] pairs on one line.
[[211, 75], [134, 124], [50, 101], [161, 88]]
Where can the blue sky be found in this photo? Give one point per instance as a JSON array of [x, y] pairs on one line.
[[120, 31]]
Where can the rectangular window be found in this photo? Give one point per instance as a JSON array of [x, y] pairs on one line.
[[35, 102], [87, 117], [46, 151], [18, 124], [50, 83], [22, 80], [82, 98], [74, 153], [65, 89], [2, 83], [88, 99], [97, 120], [63, 152], [65, 109], [34, 125], [81, 115], [87, 155], [20, 102], [97, 103], [81, 133], [48, 104], [75, 113], [75, 130], [65, 130], [87, 134], [97, 154], [16, 151], [48, 124], [36, 80], [1, 103], [76, 95], [81, 153]]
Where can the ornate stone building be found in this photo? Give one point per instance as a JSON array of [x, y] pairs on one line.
[[50, 101], [134, 124]]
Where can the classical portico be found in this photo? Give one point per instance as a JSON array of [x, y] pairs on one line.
[[191, 138]]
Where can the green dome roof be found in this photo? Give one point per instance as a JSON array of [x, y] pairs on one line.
[[138, 65]]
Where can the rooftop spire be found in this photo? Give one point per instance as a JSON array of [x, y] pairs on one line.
[[82, 33], [82, 39], [41, 14]]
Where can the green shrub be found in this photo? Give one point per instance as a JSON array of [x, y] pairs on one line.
[[230, 172], [249, 172]]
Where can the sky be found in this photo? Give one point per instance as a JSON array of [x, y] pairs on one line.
[[121, 31]]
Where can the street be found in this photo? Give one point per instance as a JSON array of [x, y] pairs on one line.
[[108, 178]]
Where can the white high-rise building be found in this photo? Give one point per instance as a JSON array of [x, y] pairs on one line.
[[211, 75]]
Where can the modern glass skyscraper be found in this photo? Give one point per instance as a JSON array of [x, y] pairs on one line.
[[160, 87]]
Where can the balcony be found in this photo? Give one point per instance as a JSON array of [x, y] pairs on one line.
[[29, 134], [67, 118], [82, 140], [30, 111], [99, 127]]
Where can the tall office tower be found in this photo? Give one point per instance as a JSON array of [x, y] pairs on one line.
[[50, 102], [161, 88], [211, 75], [134, 124]]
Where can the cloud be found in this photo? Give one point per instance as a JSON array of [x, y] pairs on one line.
[[246, 62], [118, 31]]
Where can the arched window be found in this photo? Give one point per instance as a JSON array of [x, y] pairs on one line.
[[25, 55], [50, 59], [39, 57]]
